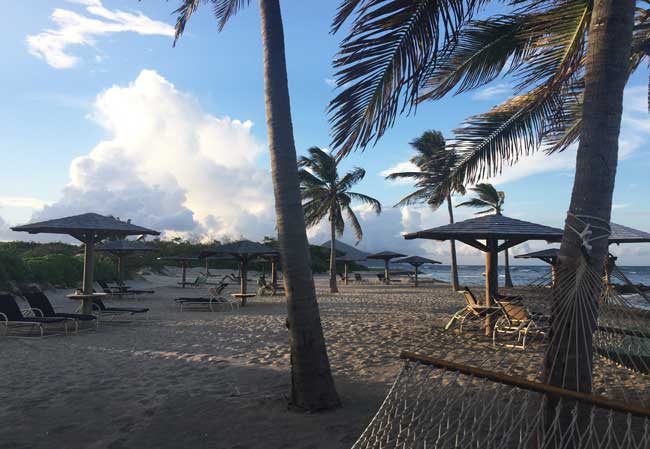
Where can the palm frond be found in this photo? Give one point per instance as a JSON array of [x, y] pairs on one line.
[[416, 175], [350, 179], [315, 211], [344, 11], [374, 204], [418, 196], [356, 226], [483, 50], [475, 202], [321, 164], [223, 10], [384, 57]]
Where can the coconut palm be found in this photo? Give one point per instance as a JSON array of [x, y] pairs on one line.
[[312, 385], [570, 61], [492, 199], [434, 162], [325, 194]]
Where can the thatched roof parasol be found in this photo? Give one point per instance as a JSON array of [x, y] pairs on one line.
[[386, 256], [89, 228], [121, 248]]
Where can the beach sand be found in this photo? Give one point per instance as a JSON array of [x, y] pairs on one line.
[[201, 379]]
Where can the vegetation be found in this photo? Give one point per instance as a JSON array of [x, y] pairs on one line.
[[435, 162], [61, 265], [492, 199], [312, 385], [325, 194]]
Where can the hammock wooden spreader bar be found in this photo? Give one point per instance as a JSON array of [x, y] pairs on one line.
[[598, 401]]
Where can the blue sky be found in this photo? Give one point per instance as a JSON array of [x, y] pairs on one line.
[[86, 125]]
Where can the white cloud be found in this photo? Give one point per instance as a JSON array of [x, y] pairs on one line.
[[77, 29], [406, 166], [20, 201], [169, 165], [331, 82], [490, 92]]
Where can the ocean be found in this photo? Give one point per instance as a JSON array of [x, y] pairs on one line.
[[521, 274]]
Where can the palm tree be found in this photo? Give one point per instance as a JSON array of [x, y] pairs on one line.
[[570, 60], [325, 194], [312, 385], [434, 162], [492, 199]]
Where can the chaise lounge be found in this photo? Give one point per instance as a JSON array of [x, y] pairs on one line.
[[12, 316], [41, 304]]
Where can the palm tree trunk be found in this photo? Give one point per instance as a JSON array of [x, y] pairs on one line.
[[333, 286], [607, 61], [312, 385], [508, 282], [452, 248]]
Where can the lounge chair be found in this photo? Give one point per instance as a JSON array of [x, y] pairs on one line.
[[42, 305], [381, 278], [517, 320], [213, 300], [358, 278], [473, 311], [266, 287], [124, 288], [12, 316], [100, 308]]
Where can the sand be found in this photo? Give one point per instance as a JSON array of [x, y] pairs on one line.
[[201, 379]]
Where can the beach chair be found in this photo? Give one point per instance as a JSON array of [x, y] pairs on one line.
[[213, 300], [42, 305], [473, 311], [358, 278], [12, 316], [102, 310], [267, 287], [112, 292], [381, 278], [127, 289], [517, 320]]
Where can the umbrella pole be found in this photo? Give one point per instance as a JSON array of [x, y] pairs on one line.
[[89, 250], [243, 279], [184, 275], [207, 267], [386, 272], [345, 273], [416, 275], [120, 268], [491, 279], [274, 273]]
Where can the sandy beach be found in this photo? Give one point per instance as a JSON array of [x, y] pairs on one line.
[[205, 379]]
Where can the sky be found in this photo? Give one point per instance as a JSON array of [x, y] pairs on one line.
[[101, 113]]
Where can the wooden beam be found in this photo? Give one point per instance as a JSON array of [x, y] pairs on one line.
[[474, 244], [525, 384], [509, 244]]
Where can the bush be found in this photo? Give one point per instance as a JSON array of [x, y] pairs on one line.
[[12, 268]]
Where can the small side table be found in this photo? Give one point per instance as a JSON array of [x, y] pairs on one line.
[[243, 297]]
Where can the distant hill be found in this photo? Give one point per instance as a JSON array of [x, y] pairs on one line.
[[347, 249]]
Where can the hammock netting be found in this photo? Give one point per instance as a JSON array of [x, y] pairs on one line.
[[567, 367]]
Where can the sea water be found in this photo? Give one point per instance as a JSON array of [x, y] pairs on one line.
[[521, 274]]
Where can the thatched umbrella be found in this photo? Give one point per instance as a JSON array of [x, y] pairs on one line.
[[243, 251], [549, 256], [386, 256], [184, 262], [90, 229], [490, 228], [346, 262], [122, 248], [417, 262]]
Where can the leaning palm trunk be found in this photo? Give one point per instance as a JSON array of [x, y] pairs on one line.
[[312, 386], [452, 250], [568, 362], [508, 281], [333, 287]]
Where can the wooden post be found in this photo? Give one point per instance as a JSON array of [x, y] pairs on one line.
[[88, 278], [345, 273], [120, 268], [553, 274], [386, 272], [243, 279], [207, 267], [274, 272], [184, 272], [416, 275], [491, 279]]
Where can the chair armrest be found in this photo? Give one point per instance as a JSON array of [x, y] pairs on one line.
[[4, 318], [33, 310]]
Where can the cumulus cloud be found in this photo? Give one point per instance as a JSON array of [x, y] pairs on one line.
[[405, 166], [78, 29], [169, 165]]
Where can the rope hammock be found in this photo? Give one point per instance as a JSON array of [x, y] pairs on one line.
[[582, 379]]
